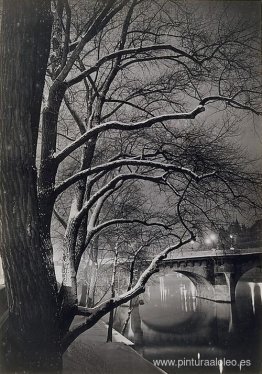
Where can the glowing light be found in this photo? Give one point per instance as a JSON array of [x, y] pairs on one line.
[[213, 237], [193, 289], [252, 288], [220, 365], [163, 289], [194, 304], [230, 326], [130, 333]]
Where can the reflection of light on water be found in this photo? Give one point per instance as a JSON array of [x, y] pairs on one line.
[[187, 297], [202, 331], [148, 293], [194, 304], [182, 296], [130, 333], [220, 365], [260, 288], [230, 327], [193, 295], [163, 289], [192, 289], [252, 288]]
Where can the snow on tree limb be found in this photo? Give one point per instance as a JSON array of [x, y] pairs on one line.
[[112, 185], [117, 125], [116, 221], [131, 162], [95, 314], [147, 123], [106, 14]]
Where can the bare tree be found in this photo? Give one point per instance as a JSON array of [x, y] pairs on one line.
[[112, 69]]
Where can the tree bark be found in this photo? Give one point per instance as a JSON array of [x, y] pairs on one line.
[[33, 338], [92, 284], [113, 293]]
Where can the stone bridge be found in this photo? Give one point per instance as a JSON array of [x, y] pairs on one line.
[[215, 276]]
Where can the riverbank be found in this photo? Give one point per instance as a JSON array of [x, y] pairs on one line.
[[90, 354]]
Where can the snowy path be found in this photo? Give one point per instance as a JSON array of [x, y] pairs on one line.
[[90, 354]]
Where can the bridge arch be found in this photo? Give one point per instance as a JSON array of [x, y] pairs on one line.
[[246, 268], [204, 289], [215, 277]]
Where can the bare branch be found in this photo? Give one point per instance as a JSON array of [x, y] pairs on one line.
[[112, 185], [131, 162], [130, 51], [116, 125], [76, 117], [116, 221], [229, 100], [107, 13], [67, 33]]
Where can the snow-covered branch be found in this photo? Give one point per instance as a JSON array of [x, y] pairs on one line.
[[119, 179], [92, 29], [117, 125], [116, 221], [96, 313], [129, 162]]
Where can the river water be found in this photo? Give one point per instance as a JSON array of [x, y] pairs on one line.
[[200, 336]]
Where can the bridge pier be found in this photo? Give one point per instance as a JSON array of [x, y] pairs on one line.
[[225, 287]]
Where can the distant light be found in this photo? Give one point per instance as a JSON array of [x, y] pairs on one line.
[[213, 237], [208, 241]]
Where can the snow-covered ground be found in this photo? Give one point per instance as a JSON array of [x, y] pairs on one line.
[[90, 354]]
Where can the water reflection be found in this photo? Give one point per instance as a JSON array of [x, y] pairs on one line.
[[174, 324]]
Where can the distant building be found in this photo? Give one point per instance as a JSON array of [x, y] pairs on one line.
[[241, 236]]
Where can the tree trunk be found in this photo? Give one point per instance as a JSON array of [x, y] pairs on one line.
[[83, 297], [111, 314], [32, 339], [110, 326], [92, 284], [127, 318]]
